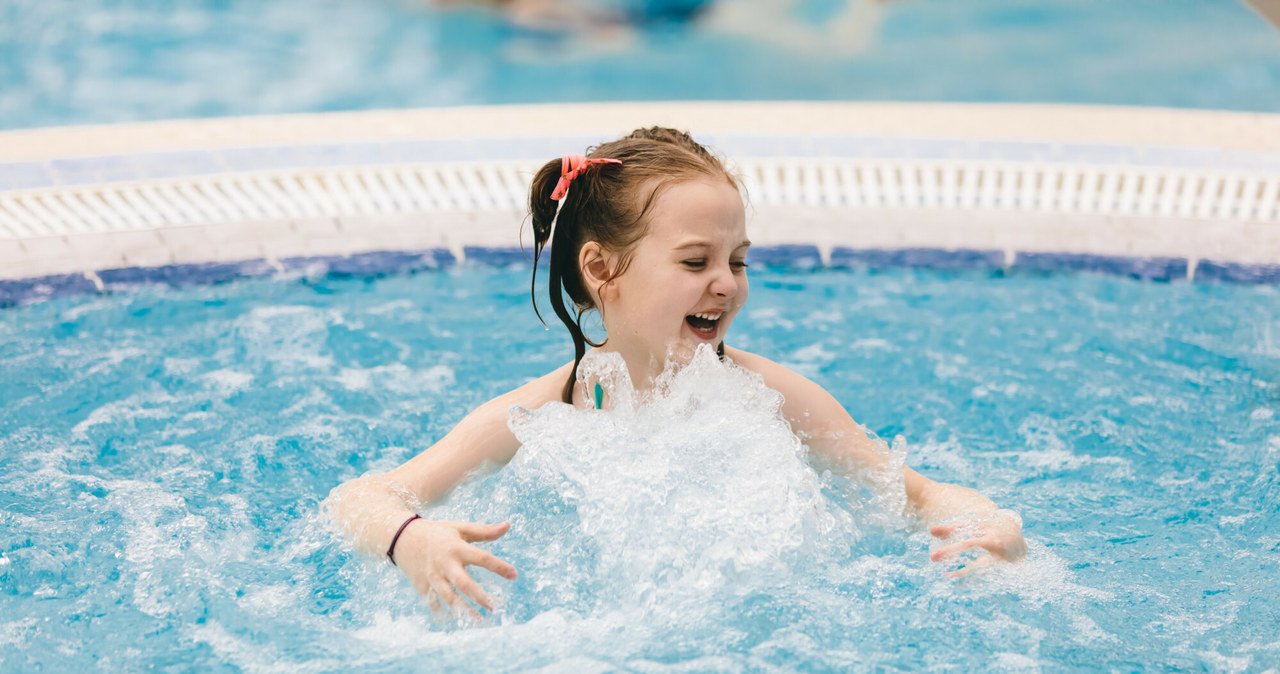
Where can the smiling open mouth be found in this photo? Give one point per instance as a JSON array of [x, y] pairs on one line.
[[704, 325]]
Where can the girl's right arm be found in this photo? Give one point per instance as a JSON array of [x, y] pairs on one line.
[[435, 554]]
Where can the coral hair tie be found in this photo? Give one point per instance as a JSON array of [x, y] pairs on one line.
[[570, 166]]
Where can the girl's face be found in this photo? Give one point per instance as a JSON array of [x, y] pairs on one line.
[[687, 278]]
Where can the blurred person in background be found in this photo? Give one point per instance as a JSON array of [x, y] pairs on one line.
[[848, 30]]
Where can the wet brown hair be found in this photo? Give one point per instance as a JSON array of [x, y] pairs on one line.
[[608, 204]]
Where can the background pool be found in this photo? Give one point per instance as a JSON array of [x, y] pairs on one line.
[[166, 451], [75, 62]]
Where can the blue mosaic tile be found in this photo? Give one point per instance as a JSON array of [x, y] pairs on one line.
[[175, 164], [1234, 272], [1149, 268], [500, 257], [89, 170], [183, 274], [934, 258], [25, 175], [20, 291], [367, 265], [317, 265], [791, 255]]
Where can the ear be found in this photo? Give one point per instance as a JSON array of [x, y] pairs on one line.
[[596, 264]]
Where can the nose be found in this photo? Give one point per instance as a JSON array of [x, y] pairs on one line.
[[724, 284]]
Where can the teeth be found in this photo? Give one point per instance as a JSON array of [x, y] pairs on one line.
[[709, 317]]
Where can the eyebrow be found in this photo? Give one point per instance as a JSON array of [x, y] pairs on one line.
[[707, 244]]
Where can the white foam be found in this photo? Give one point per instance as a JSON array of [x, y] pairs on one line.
[[109, 360], [291, 337], [397, 378], [664, 504], [871, 344], [140, 406], [227, 381], [17, 632], [253, 656]]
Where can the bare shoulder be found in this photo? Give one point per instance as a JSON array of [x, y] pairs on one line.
[[777, 377], [814, 414], [536, 393], [491, 417], [482, 437], [806, 404]]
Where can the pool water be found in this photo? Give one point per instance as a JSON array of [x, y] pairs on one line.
[[99, 61], [166, 452]]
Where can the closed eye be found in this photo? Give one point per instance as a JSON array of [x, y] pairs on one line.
[[694, 264]]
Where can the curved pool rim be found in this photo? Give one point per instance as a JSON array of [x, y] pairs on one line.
[[1146, 192]]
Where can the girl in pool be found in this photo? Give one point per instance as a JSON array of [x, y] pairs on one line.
[[649, 230]]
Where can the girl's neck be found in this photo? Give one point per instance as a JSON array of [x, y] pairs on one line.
[[642, 367]]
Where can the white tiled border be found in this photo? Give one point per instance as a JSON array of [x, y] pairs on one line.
[[1105, 181], [1111, 125]]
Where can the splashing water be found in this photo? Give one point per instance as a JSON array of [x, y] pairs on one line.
[[165, 452], [667, 505], [685, 514]]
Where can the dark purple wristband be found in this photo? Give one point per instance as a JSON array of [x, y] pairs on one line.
[[391, 549]]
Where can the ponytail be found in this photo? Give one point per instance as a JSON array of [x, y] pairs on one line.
[[564, 249]]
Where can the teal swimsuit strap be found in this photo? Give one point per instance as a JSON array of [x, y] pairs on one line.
[[599, 395]]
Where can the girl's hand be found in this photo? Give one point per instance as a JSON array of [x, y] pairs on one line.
[[999, 535], [434, 555]]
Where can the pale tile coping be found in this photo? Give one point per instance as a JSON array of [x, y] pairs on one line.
[[1121, 127], [1132, 126], [86, 171]]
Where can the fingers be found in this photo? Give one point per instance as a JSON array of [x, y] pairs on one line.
[[444, 589], [944, 530], [954, 549], [440, 574], [453, 589], [485, 560], [975, 565], [472, 590], [472, 532]]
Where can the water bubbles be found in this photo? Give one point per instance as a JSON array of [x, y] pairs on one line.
[[172, 496], [671, 504]]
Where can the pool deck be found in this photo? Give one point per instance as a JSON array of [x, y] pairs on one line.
[[1195, 187], [1076, 124]]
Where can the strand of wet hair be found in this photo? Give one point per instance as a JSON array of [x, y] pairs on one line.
[[546, 229]]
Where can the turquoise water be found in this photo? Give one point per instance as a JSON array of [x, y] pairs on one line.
[[166, 452], [75, 62]]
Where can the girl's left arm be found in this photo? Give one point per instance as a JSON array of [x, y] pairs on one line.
[[834, 437]]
